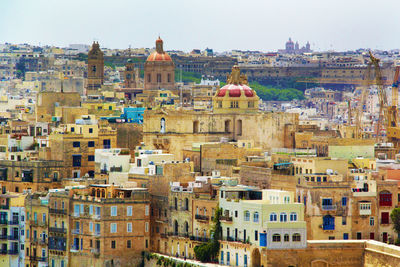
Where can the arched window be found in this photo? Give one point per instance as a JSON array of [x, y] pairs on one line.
[[162, 126], [286, 238], [195, 126], [247, 216], [186, 227], [293, 216], [276, 238], [227, 126], [255, 217], [186, 204], [296, 237], [239, 127], [283, 217], [176, 227], [273, 217]]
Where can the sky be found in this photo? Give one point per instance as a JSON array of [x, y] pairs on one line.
[[222, 25]]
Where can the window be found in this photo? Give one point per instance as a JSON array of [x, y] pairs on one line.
[[129, 211], [128, 244], [293, 216], [149, 77], [90, 130], [371, 221], [91, 144], [250, 104], [359, 235], [256, 235], [247, 216], [158, 77], [328, 222], [283, 217], [169, 77], [146, 227], [76, 160], [234, 104], [273, 217], [113, 244], [286, 238], [276, 238], [344, 201], [345, 236], [91, 158], [76, 144], [344, 221], [256, 217], [91, 210], [146, 211], [113, 228], [385, 218], [296, 237], [385, 199], [90, 226], [114, 211], [72, 129], [236, 213], [76, 209], [129, 227]]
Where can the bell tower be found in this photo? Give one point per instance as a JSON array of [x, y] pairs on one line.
[[95, 69], [130, 75]]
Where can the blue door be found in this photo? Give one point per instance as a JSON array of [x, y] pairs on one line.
[[263, 239]]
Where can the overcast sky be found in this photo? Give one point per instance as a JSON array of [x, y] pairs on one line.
[[219, 24]]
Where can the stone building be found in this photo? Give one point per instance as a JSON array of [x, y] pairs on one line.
[[131, 75], [75, 144], [35, 175], [159, 70], [95, 70], [176, 130]]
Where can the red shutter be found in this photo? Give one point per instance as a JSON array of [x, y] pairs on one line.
[[385, 217]]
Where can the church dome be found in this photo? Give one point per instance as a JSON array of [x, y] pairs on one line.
[[236, 90], [159, 54], [236, 86]]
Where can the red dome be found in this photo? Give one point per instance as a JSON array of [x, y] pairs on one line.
[[155, 56], [236, 90]]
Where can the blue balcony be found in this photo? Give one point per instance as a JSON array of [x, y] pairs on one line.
[[328, 207], [329, 227]]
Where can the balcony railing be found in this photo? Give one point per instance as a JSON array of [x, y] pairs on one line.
[[3, 237], [75, 231], [164, 235], [58, 211], [199, 238], [201, 217], [328, 227], [74, 248], [95, 250], [12, 252], [3, 251], [57, 230], [13, 222], [36, 258], [4, 222], [96, 216], [226, 218], [329, 207], [12, 237], [97, 234]]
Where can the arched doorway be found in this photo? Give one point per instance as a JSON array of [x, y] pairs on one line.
[[255, 258]]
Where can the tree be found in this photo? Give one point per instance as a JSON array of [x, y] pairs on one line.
[[208, 252], [395, 216]]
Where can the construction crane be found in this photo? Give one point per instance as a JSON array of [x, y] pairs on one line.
[[382, 98], [392, 110]]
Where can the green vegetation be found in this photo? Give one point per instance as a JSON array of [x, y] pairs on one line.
[[208, 252], [187, 76], [268, 93], [395, 216]]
